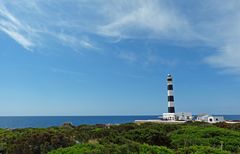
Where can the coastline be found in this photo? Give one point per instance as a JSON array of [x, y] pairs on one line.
[[49, 121]]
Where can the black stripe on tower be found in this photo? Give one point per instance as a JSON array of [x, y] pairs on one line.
[[170, 98], [170, 87], [171, 110], [169, 79]]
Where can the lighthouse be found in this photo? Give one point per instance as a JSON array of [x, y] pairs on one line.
[[171, 108], [171, 116]]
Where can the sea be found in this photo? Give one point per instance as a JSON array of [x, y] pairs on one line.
[[13, 122]]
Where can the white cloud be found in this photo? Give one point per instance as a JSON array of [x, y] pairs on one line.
[[86, 44], [228, 57], [75, 42], [215, 24], [33, 23], [14, 28], [151, 58], [128, 56], [121, 19], [211, 23], [18, 37], [144, 19], [222, 28]]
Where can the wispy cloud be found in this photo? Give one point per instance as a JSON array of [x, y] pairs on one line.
[[152, 58], [207, 23], [32, 28], [74, 42], [14, 28], [222, 28], [120, 19], [144, 19], [130, 57]]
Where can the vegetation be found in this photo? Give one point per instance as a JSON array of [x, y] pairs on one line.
[[132, 148], [201, 150], [150, 138]]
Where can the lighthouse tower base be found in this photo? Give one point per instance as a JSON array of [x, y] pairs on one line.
[[169, 116]]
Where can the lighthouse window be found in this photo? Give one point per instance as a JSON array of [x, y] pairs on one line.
[[169, 79]]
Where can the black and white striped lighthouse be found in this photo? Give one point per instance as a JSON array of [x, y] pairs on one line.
[[171, 108]]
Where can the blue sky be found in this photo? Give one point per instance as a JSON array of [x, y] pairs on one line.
[[111, 57]]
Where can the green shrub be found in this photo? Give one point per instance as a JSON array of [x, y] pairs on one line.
[[149, 136], [206, 136], [113, 149], [201, 150]]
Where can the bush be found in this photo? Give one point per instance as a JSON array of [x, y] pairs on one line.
[[149, 136], [113, 149], [206, 136], [124, 138], [201, 150]]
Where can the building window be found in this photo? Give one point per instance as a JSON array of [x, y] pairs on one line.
[[216, 119], [210, 119]]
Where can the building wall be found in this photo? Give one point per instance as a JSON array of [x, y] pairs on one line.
[[202, 118], [215, 119], [169, 116], [210, 119], [184, 116]]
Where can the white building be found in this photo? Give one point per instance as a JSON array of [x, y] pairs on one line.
[[210, 118], [183, 116], [180, 116], [169, 116]]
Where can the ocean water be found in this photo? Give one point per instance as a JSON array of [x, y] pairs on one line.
[[48, 121]]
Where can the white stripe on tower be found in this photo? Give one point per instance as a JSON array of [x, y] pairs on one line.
[[171, 108]]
